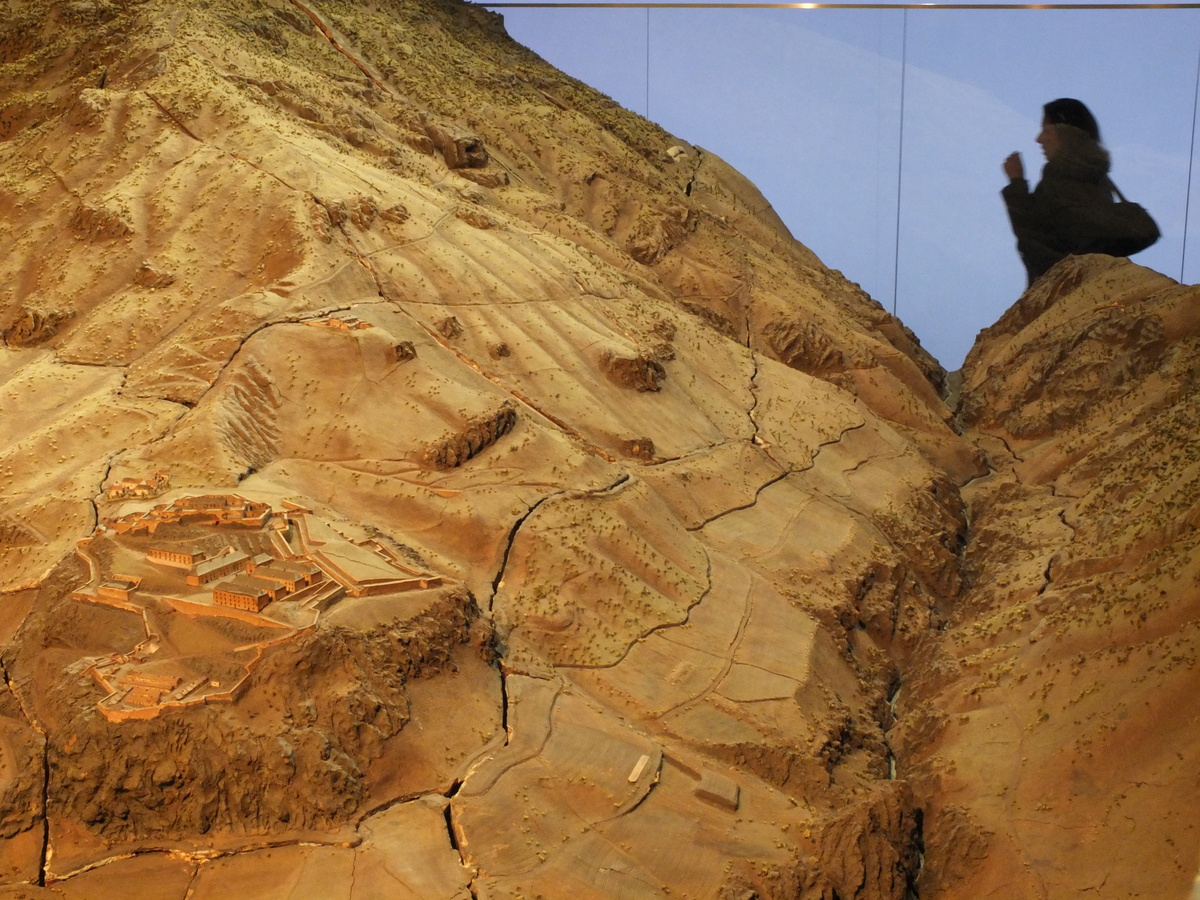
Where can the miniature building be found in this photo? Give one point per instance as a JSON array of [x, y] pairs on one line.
[[258, 561], [274, 589], [292, 574], [184, 689], [204, 501], [308, 572], [246, 592], [341, 322], [719, 790], [136, 522], [192, 515], [219, 509], [206, 509], [240, 511], [139, 488], [119, 587], [212, 569], [147, 690], [182, 557]]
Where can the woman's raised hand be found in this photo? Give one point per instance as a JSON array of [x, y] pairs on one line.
[[1013, 167]]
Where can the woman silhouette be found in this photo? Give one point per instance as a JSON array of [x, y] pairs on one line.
[[1058, 218]]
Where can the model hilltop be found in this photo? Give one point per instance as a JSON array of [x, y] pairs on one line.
[[219, 555]]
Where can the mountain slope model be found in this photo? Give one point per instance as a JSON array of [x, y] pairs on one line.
[[421, 477]]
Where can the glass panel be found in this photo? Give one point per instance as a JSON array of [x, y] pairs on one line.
[[976, 83], [811, 120], [605, 48], [807, 104]]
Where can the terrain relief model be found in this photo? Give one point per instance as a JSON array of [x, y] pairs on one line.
[[422, 478]]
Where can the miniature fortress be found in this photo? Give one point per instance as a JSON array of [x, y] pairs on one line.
[[231, 557]]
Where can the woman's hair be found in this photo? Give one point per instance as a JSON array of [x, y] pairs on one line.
[[1066, 111]]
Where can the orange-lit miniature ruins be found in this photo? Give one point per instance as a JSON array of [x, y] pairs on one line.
[[226, 556], [209, 509], [139, 488], [341, 321]]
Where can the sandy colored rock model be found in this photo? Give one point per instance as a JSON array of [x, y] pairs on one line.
[[421, 477]]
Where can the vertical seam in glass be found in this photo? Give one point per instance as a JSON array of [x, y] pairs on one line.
[[1187, 197], [900, 163], [647, 62]]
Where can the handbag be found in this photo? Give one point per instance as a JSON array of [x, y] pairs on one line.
[[1121, 228]]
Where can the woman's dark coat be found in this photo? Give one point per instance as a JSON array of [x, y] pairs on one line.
[[1051, 222]]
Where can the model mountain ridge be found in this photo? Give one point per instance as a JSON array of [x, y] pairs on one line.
[[420, 476]]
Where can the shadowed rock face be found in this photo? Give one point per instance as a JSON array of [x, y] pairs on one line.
[[572, 530]]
